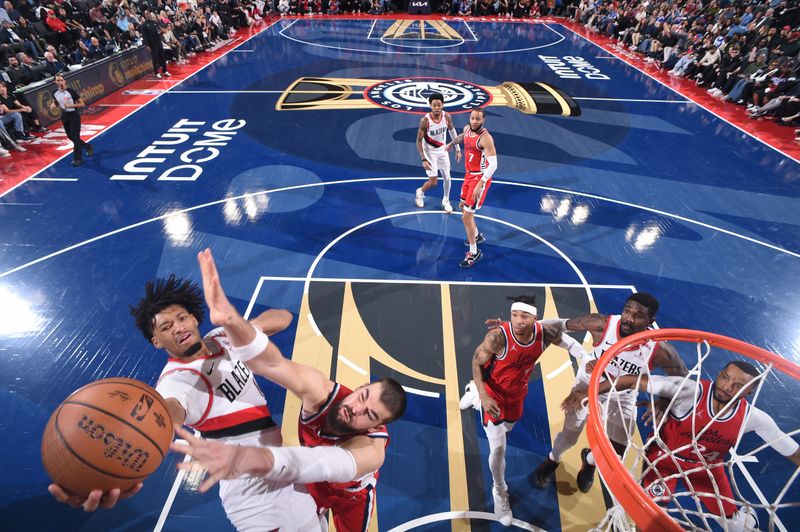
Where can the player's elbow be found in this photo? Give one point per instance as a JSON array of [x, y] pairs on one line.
[[283, 318]]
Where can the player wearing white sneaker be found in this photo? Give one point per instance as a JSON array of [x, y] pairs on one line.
[[637, 315], [431, 138], [480, 162], [501, 368]]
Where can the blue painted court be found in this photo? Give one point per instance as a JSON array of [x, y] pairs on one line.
[[293, 157]]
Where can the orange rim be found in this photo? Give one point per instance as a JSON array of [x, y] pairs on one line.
[[646, 513]]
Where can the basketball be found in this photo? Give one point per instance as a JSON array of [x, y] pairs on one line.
[[112, 433]]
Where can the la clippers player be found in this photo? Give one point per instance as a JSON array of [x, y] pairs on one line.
[[480, 161], [501, 369], [705, 422], [352, 502]]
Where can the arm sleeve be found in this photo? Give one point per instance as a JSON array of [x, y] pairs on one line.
[[190, 390], [766, 428], [574, 347], [304, 465], [670, 387], [453, 135], [491, 167]]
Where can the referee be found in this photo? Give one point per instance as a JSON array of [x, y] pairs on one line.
[[70, 103]]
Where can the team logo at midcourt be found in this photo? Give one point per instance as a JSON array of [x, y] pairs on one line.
[[410, 95]]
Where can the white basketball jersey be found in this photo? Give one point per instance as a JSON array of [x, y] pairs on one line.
[[634, 361], [220, 395], [436, 135]]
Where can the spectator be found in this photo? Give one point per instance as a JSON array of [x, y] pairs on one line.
[[522, 9], [52, 65], [12, 119], [7, 142], [28, 33], [20, 74], [23, 116], [18, 43]]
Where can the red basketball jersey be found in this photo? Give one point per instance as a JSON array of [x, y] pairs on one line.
[[508, 372], [715, 441], [473, 156], [312, 434]]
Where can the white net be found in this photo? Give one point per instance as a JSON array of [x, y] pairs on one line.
[[691, 461]]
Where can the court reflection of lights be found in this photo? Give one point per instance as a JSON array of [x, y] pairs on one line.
[[548, 203], [562, 210], [16, 315], [580, 214], [232, 212], [255, 206], [643, 239], [178, 227]]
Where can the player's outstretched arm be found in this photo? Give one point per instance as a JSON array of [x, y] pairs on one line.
[[551, 335], [574, 401], [272, 321], [457, 140], [493, 342], [594, 323], [96, 499], [766, 428], [289, 465], [368, 453], [667, 358], [252, 346]]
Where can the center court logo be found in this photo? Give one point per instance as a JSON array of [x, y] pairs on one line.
[[410, 95]]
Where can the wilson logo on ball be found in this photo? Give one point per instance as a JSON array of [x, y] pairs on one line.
[[114, 446]]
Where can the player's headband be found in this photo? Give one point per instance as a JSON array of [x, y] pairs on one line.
[[523, 307]]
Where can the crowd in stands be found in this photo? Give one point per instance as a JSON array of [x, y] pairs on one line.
[[744, 52], [40, 38]]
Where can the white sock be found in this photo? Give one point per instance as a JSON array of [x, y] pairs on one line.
[[446, 195], [551, 457], [590, 459], [497, 460], [473, 248]]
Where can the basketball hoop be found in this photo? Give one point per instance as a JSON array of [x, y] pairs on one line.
[[624, 481]]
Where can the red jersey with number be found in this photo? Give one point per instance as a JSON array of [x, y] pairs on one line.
[[714, 439], [312, 434], [507, 374], [474, 161]]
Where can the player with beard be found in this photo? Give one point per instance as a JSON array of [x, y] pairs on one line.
[[480, 162], [205, 388], [342, 431], [431, 137], [501, 369], [705, 422], [637, 315]]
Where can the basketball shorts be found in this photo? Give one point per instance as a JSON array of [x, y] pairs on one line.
[[439, 160], [352, 510], [255, 504], [510, 409], [702, 482], [468, 189]]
